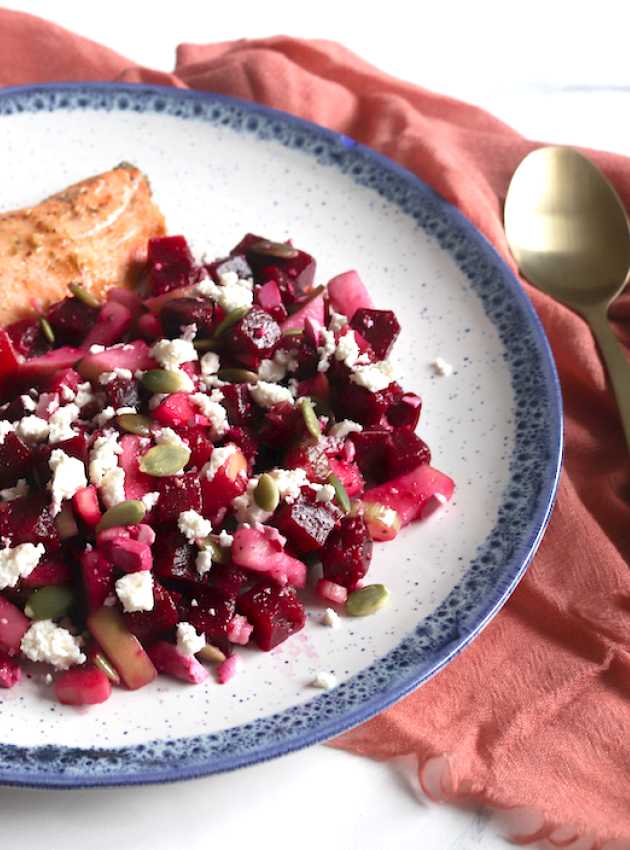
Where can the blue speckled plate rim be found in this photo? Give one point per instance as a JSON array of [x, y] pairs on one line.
[[64, 767]]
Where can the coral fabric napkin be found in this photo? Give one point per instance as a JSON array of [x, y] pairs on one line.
[[534, 717]]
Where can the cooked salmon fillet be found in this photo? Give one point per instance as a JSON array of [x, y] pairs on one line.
[[94, 233]]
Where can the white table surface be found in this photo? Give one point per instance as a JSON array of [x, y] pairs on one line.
[[554, 71]]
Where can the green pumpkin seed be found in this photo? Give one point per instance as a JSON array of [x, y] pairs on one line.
[[293, 332], [165, 381], [82, 294], [310, 418], [206, 344], [105, 665], [266, 494], [367, 600], [134, 423], [49, 603], [165, 459], [211, 653], [130, 512], [274, 249], [47, 330], [232, 318], [341, 495], [237, 376]]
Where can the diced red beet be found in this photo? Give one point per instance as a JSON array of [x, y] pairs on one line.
[[227, 579], [238, 403], [33, 372], [143, 533], [175, 411], [359, 404], [228, 669], [52, 570], [370, 451], [199, 443], [179, 312], [85, 503], [15, 460], [347, 553], [282, 425], [109, 534], [309, 455], [415, 494], [148, 626], [133, 356], [312, 309], [300, 269], [64, 378], [348, 294], [212, 615], [229, 481], [404, 452], [12, 411], [247, 442], [168, 659], [149, 327], [253, 338], [237, 264], [349, 475], [23, 338], [275, 612], [130, 556], [170, 264], [256, 550], [405, 413], [122, 648], [177, 494], [28, 520], [122, 392], [269, 298], [174, 557], [137, 483], [98, 578], [71, 319], [13, 627], [10, 672], [379, 327], [306, 525], [331, 591], [317, 387], [127, 297], [82, 686]]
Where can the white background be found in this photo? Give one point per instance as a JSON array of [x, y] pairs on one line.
[[555, 70]]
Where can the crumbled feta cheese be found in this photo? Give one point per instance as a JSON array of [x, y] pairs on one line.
[[375, 377], [287, 359], [135, 591], [107, 377], [18, 562], [331, 618], [150, 500], [326, 349], [294, 387], [271, 371], [47, 642], [214, 411], [5, 428], [104, 456], [324, 680], [289, 481], [188, 641], [194, 603], [84, 394], [60, 423], [193, 526], [68, 477], [325, 493], [442, 367], [218, 457], [172, 353], [168, 437], [210, 363], [189, 332], [32, 429], [203, 561], [52, 405], [67, 394], [232, 293], [12, 493], [266, 394], [48, 679], [112, 487], [347, 350], [97, 349], [337, 321], [29, 404], [345, 427], [121, 410], [104, 416], [225, 539]]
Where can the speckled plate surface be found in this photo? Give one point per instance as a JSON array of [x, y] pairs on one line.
[[219, 168]]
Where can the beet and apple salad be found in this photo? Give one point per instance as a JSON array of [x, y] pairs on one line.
[[179, 462]]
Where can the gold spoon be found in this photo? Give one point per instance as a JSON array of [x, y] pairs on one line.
[[569, 235]]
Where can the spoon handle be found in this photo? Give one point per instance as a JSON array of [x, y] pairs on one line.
[[616, 362]]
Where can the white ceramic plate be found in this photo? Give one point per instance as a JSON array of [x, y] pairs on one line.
[[220, 168]]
